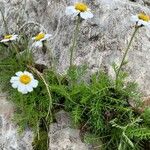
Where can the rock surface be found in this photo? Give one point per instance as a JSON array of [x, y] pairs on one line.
[[9, 138], [62, 137], [101, 41], [147, 2]]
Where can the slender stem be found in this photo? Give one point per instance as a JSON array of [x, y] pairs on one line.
[[74, 43], [49, 113], [38, 131], [125, 54], [16, 52], [15, 47]]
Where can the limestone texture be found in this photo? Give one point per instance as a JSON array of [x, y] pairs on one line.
[[9, 136], [101, 41], [63, 137]]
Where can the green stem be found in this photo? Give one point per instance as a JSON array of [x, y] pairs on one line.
[[15, 47], [15, 50], [72, 48], [49, 113], [125, 54]]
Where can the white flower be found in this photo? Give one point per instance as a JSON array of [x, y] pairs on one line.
[[10, 37], [141, 20], [79, 9], [39, 38], [24, 82]]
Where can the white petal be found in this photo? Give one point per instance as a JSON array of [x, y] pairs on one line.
[[13, 38], [134, 18], [33, 38], [15, 85], [70, 10], [22, 89], [5, 40], [37, 44], [13, 79], [148, 25], [75, 14], [47, 36], [41, 32], [15, 35], [19, 73], [34, 83], [24, 92], [86, 15], [145, 23], [29, 88], [140, 22]]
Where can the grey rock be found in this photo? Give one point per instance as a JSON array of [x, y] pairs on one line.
[[101, 41], [1, 122], [9, 136], [147, 2], [63, 137], [63, 119], [67, 139]]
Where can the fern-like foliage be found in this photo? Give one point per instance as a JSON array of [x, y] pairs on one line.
[[94, 103]]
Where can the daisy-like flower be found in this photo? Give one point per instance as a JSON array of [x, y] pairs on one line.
[[10, 37], [141, 20], [79, 9], [24, 82], [39, 38]]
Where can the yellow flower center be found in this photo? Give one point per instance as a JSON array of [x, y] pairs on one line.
[[81, 7], [7, 36], [144, 17], [39, 36], [25, 79]]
